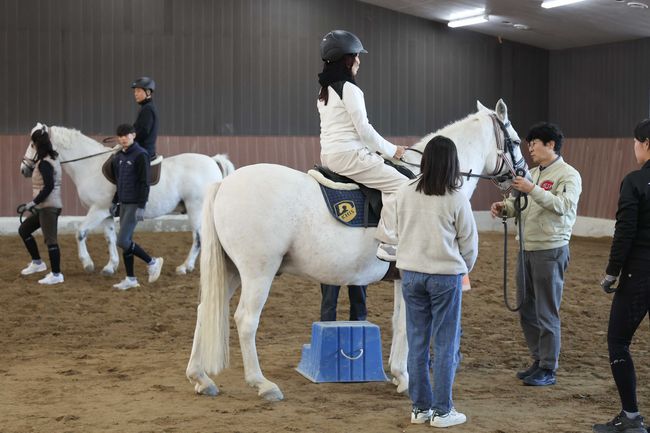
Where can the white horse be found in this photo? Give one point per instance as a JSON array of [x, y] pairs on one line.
[[183, 180], [269, 219]]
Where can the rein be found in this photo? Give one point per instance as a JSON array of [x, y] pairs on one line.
[[91, 156], [113, 150]]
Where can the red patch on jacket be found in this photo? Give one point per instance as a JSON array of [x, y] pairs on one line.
[[547, 185]]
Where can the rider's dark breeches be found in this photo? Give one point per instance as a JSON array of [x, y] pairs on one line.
[[47, 220]]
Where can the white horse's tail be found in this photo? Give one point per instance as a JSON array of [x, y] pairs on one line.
[[213, 326], [225, 165]]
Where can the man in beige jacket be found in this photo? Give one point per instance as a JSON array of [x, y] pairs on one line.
[[547, 224]]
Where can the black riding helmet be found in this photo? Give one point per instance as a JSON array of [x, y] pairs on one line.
[[338, 43], [145, 83]]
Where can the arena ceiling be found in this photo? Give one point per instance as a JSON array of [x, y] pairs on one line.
[[589, 22]]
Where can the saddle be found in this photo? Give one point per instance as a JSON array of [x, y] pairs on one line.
[[351, 203], [154, 170]]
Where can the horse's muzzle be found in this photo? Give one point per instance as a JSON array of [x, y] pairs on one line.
[[26, 171]]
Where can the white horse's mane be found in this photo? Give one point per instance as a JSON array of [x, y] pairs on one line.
[[453, 129], [66, 138]]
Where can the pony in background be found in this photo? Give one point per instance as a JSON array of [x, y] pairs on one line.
[[183, 181]]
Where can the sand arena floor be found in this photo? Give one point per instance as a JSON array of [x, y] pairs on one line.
[[83, 357]]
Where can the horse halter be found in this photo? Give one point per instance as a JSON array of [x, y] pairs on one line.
[[513, 167]]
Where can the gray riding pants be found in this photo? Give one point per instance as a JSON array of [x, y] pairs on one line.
[[127, 225], [540, 312]]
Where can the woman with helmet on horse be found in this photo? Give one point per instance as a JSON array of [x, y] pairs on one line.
[[45, 207], [349, 143], [146, 125]]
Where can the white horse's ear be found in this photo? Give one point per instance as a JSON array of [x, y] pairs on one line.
[[481, 107], [39, 127], [502, 110]]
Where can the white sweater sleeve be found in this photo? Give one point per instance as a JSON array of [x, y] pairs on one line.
[[467, 234], [356, 106]]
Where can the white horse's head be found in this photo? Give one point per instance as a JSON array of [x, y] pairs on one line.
[[509, 161], [29, 159], [487, 146], [69, 143]]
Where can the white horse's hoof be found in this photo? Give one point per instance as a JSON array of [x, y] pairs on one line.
[[273, 393], [402, 383], [180, 270], [89, 267], [210, 390], [108, 271]]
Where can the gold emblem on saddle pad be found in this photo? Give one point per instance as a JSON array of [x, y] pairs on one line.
[[345, 210]]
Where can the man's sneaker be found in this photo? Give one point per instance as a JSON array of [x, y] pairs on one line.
[[530, 370], [51, 279], [420, 416], [541, 377], [33, 268], [387, 252], [622, 424], [154, 269], [127, 283], [453, 417]]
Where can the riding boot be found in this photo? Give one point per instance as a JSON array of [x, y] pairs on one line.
[[55, 258]]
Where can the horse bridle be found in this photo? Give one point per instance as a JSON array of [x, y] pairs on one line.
[[507, 144]]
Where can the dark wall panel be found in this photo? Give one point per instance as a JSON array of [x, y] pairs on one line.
[[600, 91], [247, 67]]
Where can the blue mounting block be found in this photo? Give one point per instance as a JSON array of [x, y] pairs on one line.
[[343, 352]]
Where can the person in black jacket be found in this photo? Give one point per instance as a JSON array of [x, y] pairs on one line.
[[146, 125], [131, 171], [629, 261]]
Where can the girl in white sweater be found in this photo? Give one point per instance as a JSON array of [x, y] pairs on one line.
[[438, 243]]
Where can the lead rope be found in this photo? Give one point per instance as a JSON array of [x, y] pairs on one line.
[[518, 210]]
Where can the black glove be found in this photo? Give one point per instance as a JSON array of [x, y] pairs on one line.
[[607, 284], [115, 210]]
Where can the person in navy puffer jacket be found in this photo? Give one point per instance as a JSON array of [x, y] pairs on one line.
[[131, 170]]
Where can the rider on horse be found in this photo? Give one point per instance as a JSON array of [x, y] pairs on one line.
[[348, 141], [146, 125]]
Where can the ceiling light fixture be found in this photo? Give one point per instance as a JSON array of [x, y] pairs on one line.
[[468, 21], [638, 5], [547, 4], [467, 13]]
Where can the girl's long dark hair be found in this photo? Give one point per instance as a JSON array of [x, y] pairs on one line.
[[440, 168], [341, 70], [43, 145]]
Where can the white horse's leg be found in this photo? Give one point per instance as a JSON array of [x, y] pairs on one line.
[[194, 215], [111, 240], [399, 345], [255, 291], [195, 249], [93, 218]]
